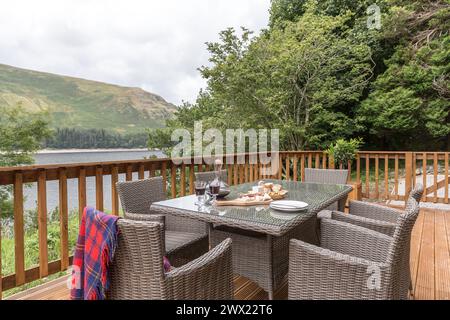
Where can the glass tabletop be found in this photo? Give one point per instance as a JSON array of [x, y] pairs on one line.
[[317, 196]]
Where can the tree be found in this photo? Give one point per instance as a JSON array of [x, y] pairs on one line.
[[409, 104], [21, 135], [303, 78]]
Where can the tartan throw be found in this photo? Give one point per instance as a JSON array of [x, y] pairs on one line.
[[97, 241]]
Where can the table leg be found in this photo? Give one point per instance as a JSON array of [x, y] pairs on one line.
[[341, 204], [270, 248], [210, 227]]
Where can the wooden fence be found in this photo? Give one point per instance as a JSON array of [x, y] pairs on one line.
[[379, 175]]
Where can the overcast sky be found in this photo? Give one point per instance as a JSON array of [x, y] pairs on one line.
[[153, 44]]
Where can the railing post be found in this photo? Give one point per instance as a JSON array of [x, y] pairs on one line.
[[42, 225], [1, 277], [114, 195], [408, 173], [19, 246]]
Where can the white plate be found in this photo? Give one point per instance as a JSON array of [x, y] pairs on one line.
[[288, 205]]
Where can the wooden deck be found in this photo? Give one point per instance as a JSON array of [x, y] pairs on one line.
[[430, 263]]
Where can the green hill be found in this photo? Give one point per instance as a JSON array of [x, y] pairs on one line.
[[83, 104]]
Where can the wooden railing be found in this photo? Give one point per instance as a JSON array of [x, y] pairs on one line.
[[379, 174]]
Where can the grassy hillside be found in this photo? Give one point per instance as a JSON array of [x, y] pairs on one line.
[[83, 104]]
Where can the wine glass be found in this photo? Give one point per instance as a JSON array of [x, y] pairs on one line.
[[200, 189], [214, 188]]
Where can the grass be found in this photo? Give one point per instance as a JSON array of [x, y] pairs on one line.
[[32, 250]]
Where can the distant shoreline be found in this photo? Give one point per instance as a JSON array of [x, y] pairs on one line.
[[50, 151]]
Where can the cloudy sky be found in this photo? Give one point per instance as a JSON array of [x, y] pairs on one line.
[[153, 44]]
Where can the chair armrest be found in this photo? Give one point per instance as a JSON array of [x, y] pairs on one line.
[[318, 273], [388, 228], [145, 217], [374, 211], [161, 219], [207, 277], [353, 240]]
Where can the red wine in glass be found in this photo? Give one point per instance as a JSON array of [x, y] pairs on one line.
[[214, 188], [200, 190]]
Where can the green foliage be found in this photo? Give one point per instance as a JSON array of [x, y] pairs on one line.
[[32, 242], [21, 135], [343, 151], [319, 74], [65, 138], [409, 106], [301, 79], [160, 139]]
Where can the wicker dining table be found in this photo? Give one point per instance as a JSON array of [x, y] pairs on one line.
[[260, 235]]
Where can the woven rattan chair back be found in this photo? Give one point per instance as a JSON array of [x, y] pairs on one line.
[[327, 176], [137, 196], [398, 256], [137, 270]]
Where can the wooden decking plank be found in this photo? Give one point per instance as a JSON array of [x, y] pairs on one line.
[[416, 241], [441, 258], [424, 289]]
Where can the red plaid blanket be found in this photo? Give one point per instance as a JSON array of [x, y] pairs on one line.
[[97, 241]]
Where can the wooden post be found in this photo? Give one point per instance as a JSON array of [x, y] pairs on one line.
[[129, 173], [446, 200], [396, 177], [295, 168], [183, 180], [230, 175], [164, 175], [81, 192], [377, 166], [19, 254], [173, 180], [435, 176], [141, 173], [324, 160], [408, 173], [1, 276], [358, 168], [386, 177], [288, 168], [114, 195], [424, 175], [99, 188], [367, 176], [64, 219], [42, 224], [302, 167], [192, 178]]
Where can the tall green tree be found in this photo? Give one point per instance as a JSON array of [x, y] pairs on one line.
[[21, 135], [303, 78]]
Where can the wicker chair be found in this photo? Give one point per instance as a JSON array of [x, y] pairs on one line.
[[353, 262], [374, 216], [137, 270], [326, 176], [378, 218], [185, 239], [210, 175]]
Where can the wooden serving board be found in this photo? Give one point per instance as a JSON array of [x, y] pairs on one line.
[[241, 203]]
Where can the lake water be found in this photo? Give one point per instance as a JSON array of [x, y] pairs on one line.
[[64, 157]]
